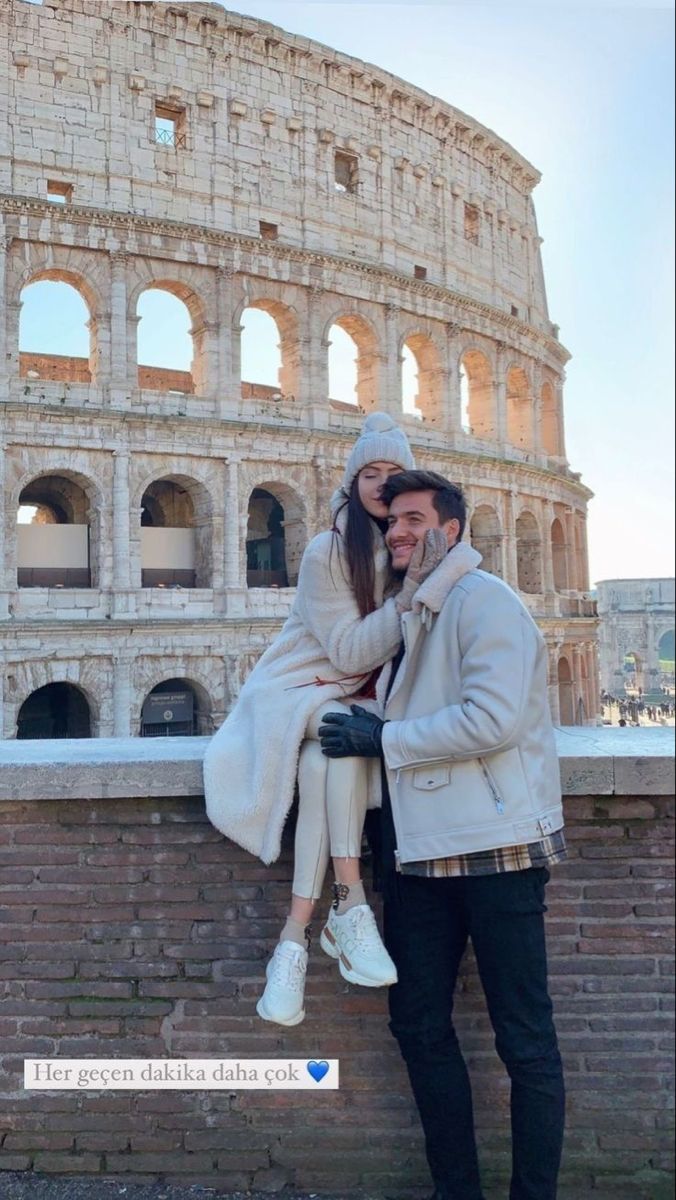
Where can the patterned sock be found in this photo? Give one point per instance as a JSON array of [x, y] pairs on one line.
[[347, 896], [293, 931]]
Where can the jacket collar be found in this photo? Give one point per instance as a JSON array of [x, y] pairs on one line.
[[434, 590]]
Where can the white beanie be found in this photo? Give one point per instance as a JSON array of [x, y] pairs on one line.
[[381, 440]]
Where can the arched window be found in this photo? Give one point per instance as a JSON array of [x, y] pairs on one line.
[[421, 377], [486, 537], [57, 335], [528, 554], [176, 534], [275, 537], [270, 352], [166, 352], [354, 368], [566, 702], [549, 420], [57, 533], [477, 395], [57, 710], [519, 409]]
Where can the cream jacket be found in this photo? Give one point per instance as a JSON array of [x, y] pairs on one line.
[[469, 745], [251, 763]]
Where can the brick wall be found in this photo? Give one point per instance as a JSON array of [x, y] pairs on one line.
[[131, 928]]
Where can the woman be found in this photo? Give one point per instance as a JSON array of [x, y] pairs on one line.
[[339, 632]]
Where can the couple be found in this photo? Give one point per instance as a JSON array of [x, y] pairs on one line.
[[447, 722]]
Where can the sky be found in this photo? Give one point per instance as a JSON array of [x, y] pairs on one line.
[[585, 92]]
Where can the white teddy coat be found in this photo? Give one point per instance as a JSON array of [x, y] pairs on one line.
[[251, 763]]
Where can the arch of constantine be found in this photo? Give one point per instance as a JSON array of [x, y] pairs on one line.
[[636, 636], [151, 520]]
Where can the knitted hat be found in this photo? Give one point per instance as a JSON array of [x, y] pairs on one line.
[[381, 440]]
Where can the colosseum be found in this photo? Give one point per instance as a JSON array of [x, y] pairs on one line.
[[238, 167]]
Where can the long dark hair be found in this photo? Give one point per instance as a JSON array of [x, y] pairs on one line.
[[359, 549]]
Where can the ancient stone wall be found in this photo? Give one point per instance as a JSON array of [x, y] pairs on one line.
[[325, 192]]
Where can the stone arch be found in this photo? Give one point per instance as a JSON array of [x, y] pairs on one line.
[[519, 408], [63, 368], [91, 676], [486, 537], [286, 320], [286, 539], [70, 559], [559, 552], [59, 709], [478, 394], [633, 672], [176, 515], [369, 354], [566, 692], [549, 420], [528, 553], [665, 659], [201, 717], [429, 373], [194, 294]]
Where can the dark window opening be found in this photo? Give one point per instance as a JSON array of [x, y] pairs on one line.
[[420, 272], [265, 547], [268, 231], [58, 710], [472, 224], [59, 193], [346, 172]]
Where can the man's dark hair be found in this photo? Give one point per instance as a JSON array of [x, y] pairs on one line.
[[448, 498]]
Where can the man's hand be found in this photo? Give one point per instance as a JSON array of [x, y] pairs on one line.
[[358, 736], [429, 552]]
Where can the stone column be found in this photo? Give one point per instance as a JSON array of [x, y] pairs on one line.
[[123, 368], [501, 393], [511, 575], [553, 652], [547, 555], [584, 553], [4, 564], [4, 347], [121, 521], [228, 353], [569, 518], [452, 399], [560, 421], [313, 374], [536, 409], [122, 696], [231, 528], [391, 397], [578, 683]]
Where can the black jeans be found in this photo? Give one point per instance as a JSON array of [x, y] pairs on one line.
[[427, 925]]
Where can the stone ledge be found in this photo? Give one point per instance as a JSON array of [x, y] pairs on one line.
[[594, 761]]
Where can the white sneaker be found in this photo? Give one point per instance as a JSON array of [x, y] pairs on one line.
[[354, 940], [282, 1000]]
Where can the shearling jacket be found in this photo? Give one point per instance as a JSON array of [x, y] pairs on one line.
[[468, 745], [323, 652]]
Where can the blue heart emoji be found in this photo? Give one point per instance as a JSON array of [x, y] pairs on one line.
[[318, 1069]]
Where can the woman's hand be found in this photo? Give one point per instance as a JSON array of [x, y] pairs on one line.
[[429, 552]]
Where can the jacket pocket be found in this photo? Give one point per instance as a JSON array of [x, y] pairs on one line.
[[427, 779], [493, 786]]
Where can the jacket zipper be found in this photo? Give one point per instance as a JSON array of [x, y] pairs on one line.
[[499, 802]]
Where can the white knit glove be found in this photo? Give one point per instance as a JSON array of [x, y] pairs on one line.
[[429, 552]]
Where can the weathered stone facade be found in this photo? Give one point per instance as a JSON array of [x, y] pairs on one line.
[[635, 616], [430, 244]]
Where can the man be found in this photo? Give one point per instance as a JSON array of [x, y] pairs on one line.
[[472, 818]]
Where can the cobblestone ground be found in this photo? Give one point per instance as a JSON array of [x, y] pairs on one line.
[[25, 1186]]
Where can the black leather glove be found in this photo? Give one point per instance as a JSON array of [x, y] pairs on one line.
[[358, 736]]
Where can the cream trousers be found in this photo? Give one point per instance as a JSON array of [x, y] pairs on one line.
[[332, 806]]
